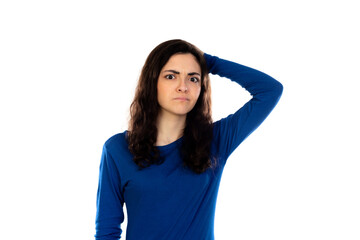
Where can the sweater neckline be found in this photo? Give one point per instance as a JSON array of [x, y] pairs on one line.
[[166, 148], [170, 145]]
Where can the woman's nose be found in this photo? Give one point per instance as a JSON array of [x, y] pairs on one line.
[[182, 86]]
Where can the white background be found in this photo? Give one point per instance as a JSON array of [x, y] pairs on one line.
[[68, 70]]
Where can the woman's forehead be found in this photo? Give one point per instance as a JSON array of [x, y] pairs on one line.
[[185, 61]]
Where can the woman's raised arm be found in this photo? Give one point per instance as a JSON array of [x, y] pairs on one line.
[[229, 132]]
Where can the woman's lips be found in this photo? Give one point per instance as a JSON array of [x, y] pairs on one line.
[[181, 99]]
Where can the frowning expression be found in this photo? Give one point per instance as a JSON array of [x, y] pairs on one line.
[[179, 84]]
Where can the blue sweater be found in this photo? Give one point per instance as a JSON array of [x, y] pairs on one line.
[[168, 201]]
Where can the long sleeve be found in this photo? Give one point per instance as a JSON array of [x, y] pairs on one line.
[[110, 200], [265, 91]]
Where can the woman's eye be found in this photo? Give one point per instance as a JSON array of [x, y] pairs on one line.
[[194, 79], [170, 76]]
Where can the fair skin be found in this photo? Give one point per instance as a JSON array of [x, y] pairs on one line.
[[178, 90]]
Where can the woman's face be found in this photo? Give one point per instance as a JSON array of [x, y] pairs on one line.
[[179, 84]]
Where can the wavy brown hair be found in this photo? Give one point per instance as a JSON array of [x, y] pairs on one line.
[[142, 134]]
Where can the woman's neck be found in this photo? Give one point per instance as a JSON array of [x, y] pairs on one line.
[[170, 128]]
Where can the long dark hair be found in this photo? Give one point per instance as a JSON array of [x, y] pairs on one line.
[[142, 134]]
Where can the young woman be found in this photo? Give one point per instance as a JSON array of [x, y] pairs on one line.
[[167, 167]]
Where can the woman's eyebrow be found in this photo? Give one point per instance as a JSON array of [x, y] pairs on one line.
[[173, 71], [194, 73], [176, 72]]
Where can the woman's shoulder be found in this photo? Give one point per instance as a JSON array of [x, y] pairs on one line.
[[218, 124], [117, 140], [223, 127]]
